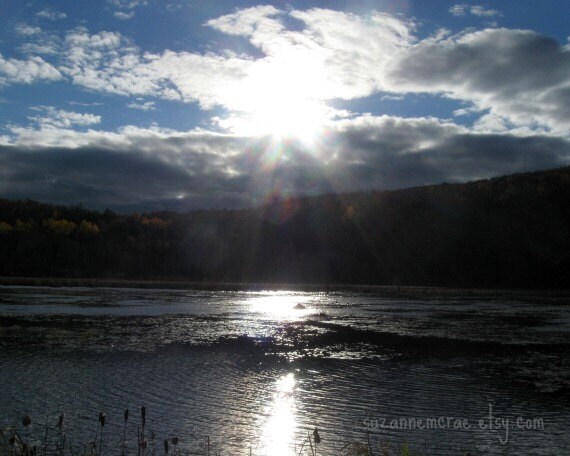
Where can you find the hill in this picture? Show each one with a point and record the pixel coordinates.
(512, 231)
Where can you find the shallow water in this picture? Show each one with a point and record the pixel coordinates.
(260, 369)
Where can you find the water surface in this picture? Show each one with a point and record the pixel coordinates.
(260, 370)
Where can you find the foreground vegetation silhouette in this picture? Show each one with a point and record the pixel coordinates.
(53, 441)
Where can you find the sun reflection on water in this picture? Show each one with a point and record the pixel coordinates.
(278, 432)
(282, 306)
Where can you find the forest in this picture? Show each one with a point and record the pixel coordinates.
(510, 231)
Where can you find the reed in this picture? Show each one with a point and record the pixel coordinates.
(125, 418)
(102, 417)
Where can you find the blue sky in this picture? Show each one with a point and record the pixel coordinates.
(149, 105)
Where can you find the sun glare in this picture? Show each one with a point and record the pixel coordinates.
(281, 306)
(281, 97)
(284, 117)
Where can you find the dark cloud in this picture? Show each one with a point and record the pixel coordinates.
(414, 152)
(96, 177)
(519, 74)
(208, 170)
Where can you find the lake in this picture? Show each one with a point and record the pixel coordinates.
(258, 371)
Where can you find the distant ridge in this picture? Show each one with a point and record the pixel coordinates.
(510, 231)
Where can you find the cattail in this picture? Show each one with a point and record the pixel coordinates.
(143, 416)
(26, 421)
(174, 441)
(152, 435)
(60, 420)
(165, 446)
(316, 436)
(102, 417)
(126, 417)
(144, 443)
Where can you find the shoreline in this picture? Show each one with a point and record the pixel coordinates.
(560, 296)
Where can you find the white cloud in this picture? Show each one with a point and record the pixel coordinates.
(392, 97)
(329, 55)
(480, 11)
(78, 103)
(300, 70)
(128, 4)
(52, 15)
(146, 106)
(465, 111)
(514, 74)
(258, 21)
(124, 16)
(38, 42)
(46, 135)
(459, 10)
(58, 118)
(44, 47)
(461, 112)
(492, 123)
(27, 30)
(208, 79)
(125, 8)
(108, 62)
(477, 10)
(26, 71)
(327, 59)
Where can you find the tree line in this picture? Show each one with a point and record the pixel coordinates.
(512, 231)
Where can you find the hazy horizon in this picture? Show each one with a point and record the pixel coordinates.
(128, 209)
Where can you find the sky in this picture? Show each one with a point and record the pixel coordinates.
(180, 104)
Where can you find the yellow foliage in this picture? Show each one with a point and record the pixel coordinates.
(88, 229)
(5, 227)
(59, 227)
(155, 223)
(22, 226)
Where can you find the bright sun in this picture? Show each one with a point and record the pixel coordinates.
(281, 97)
(283, 116)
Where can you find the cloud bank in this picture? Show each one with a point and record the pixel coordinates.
(159, 169)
